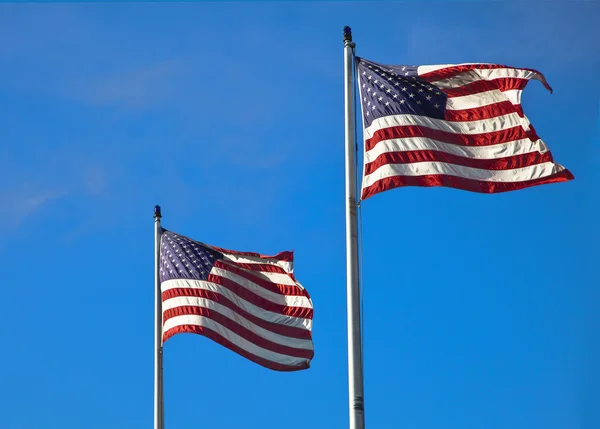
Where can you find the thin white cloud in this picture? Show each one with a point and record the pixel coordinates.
(140, 88)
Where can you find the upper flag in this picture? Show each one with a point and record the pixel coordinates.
(247, 302)
(459, 126)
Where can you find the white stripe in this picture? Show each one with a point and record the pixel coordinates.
(426, 168)
(500, 150)
(269, 316)
(497, 123)
(287, 266)
(230, 314)
(278, 278)
(475, 75)
(291, 300)
(483, 99)
(421, 70)
(235, 339)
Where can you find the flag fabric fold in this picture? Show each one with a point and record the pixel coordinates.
(459, 126)
(247, 302)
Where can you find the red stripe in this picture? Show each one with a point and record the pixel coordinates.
(449, 72)
(244, 332)
(408, 157)
(287, 256)
(257, 267)
(206, 332)
(500, 84)
(288, 331)
(484, 112)
(261, 281)
(460, 183)
(484, 139)
(251, 297)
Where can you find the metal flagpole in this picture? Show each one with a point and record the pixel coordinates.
(159, 421)
(355, 370)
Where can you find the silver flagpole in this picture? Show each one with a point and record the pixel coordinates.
(355, 369)
(159, 421)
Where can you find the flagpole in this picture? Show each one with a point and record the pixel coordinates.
(159, 422)
(355, 369)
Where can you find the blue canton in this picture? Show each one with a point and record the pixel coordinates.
(397, 90)
(183, 258)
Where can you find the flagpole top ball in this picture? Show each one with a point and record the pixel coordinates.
(347, 34)
(157, 213)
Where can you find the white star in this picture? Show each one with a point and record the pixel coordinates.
(411, 95)
(428, 98)
(370, 77)
(403, 89)
(420, 89)
(387, 103)
(403, 68)
(419, 102)
(382, 86)
(373, 108)
(375, 81)
(388, 90)
(380, 98)
(406, 74)
(395, 95)
(436, 105)
(402, 101)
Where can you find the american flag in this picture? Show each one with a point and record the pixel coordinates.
(460, 126)
(247, 302)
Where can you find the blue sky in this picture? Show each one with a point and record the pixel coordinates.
(480, 311)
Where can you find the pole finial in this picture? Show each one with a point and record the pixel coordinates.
(347, 34)
(157, 213)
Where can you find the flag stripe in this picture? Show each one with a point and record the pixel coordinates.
(501, 150)
(481, 86)
(296, 317)
(484, 112)
(441, 168)
(266, 281)
(483, 99)
(422, 156)
(483, 139)
(285, 266)
(238, 344)
(281, 256)
(172, 298)
(482, 71)
(253, 333)
(462, 183)
(499, 123)
(249, 287)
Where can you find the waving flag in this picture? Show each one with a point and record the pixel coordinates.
(459, 126)
(247, 302)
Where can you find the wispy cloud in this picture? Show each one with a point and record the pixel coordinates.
(135, 89)
(19, 203)
(25, 197)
